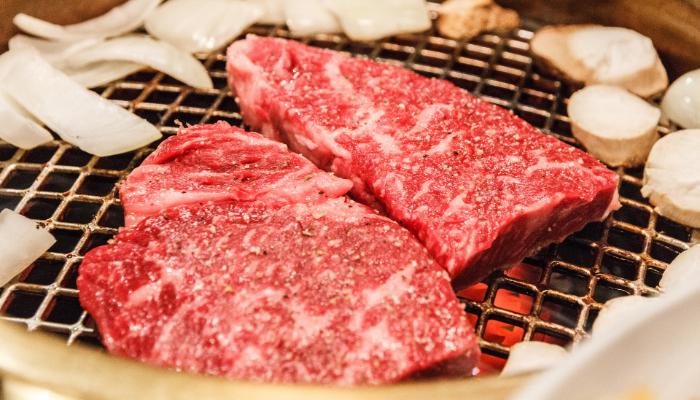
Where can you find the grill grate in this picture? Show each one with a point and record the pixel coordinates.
(554, 296)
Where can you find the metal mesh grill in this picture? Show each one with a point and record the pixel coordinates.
(554, 296)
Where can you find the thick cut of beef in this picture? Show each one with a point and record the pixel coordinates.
(479, 186)
(325, 292)
(247, 262)
(219, 162)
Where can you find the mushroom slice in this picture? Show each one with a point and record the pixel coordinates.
(532, 356)
(614, 125)
(464, 19)
(593, 54)
(672, 177)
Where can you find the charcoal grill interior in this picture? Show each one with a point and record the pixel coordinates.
(561, 289)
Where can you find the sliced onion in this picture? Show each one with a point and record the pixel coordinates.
(202, 25)
(374, 19)
(532, 356)
(681, 102)
(18, 127)
(21, 242)
(119, 20)
(78, 115)
(102, 73)
(307, 17)
(55, 53)
(274, 11)
(156, 54)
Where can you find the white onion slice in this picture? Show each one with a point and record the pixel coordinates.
(682, 100)
(532, 356)
(78, 115)
(102, 73)
(54, 52)
(308, 17)
(118, 20)
(21, 242)
(57, 54)
(142, 49)
(374, 19)
(201, 25)
(273, 11)
(18, 127)
(684, 270)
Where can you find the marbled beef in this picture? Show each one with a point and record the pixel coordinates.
(479, 186)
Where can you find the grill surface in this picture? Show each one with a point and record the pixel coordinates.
(560, 291)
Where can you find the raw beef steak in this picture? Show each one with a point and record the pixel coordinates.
(218, 162)
(480, 187)
(329, 292)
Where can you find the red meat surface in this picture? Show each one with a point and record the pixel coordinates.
(326, 292)
(479, 186)
(288, 282)
(222, 162)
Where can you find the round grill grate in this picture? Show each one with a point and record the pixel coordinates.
(553, 296)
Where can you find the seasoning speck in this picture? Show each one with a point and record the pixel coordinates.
(256, 250)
